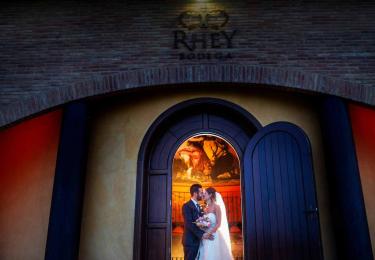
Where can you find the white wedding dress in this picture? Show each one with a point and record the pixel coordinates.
(220, 247)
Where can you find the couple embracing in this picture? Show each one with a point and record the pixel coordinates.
(206, 232)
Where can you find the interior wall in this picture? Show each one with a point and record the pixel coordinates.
(28, 154)
(363, 126)
(118, 129)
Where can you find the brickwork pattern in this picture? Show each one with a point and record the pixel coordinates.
(55, 52)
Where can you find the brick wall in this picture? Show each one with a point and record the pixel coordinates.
(53, 52)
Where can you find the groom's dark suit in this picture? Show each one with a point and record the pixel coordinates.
(192, 234)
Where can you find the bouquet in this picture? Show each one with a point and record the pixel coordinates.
(203, 222)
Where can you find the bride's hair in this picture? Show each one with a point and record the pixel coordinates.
(211, 191)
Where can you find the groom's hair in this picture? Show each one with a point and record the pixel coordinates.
(195, 188)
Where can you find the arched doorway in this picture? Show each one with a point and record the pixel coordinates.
(153, 221)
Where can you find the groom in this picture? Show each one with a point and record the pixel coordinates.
(192, 234)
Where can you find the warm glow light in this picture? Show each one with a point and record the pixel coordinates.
(202, 5)
(211, 161)
(28, 153)
(363, 125)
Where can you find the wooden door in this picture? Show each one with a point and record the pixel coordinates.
(281, 208)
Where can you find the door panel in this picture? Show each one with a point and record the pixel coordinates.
(156, 244)
(280, 195)
(225, 125)
(158, 209)
(188, 125)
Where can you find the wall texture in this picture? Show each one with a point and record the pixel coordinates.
(363, 125)
(118, 128)
(28, 154)
(54, 52)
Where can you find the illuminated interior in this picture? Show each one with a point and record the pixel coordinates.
(211, 161)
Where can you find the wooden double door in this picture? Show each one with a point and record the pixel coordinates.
(280, 214)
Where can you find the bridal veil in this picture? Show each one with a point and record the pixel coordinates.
(224, 227)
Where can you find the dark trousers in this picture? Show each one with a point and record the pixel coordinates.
(190, 252)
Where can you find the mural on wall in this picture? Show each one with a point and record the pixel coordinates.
(206, 159)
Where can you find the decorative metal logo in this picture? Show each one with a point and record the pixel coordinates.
(214, 19)
(202, 35)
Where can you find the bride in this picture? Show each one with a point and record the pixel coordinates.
(220, 246)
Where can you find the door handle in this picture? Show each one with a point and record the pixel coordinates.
(311, 210)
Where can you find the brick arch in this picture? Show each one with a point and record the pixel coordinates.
(182, 74)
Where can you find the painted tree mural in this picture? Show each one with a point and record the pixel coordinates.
(206, 158)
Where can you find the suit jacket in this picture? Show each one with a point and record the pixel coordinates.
(192, 234)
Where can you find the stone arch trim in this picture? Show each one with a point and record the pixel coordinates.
(167, 132)
(185, 74)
